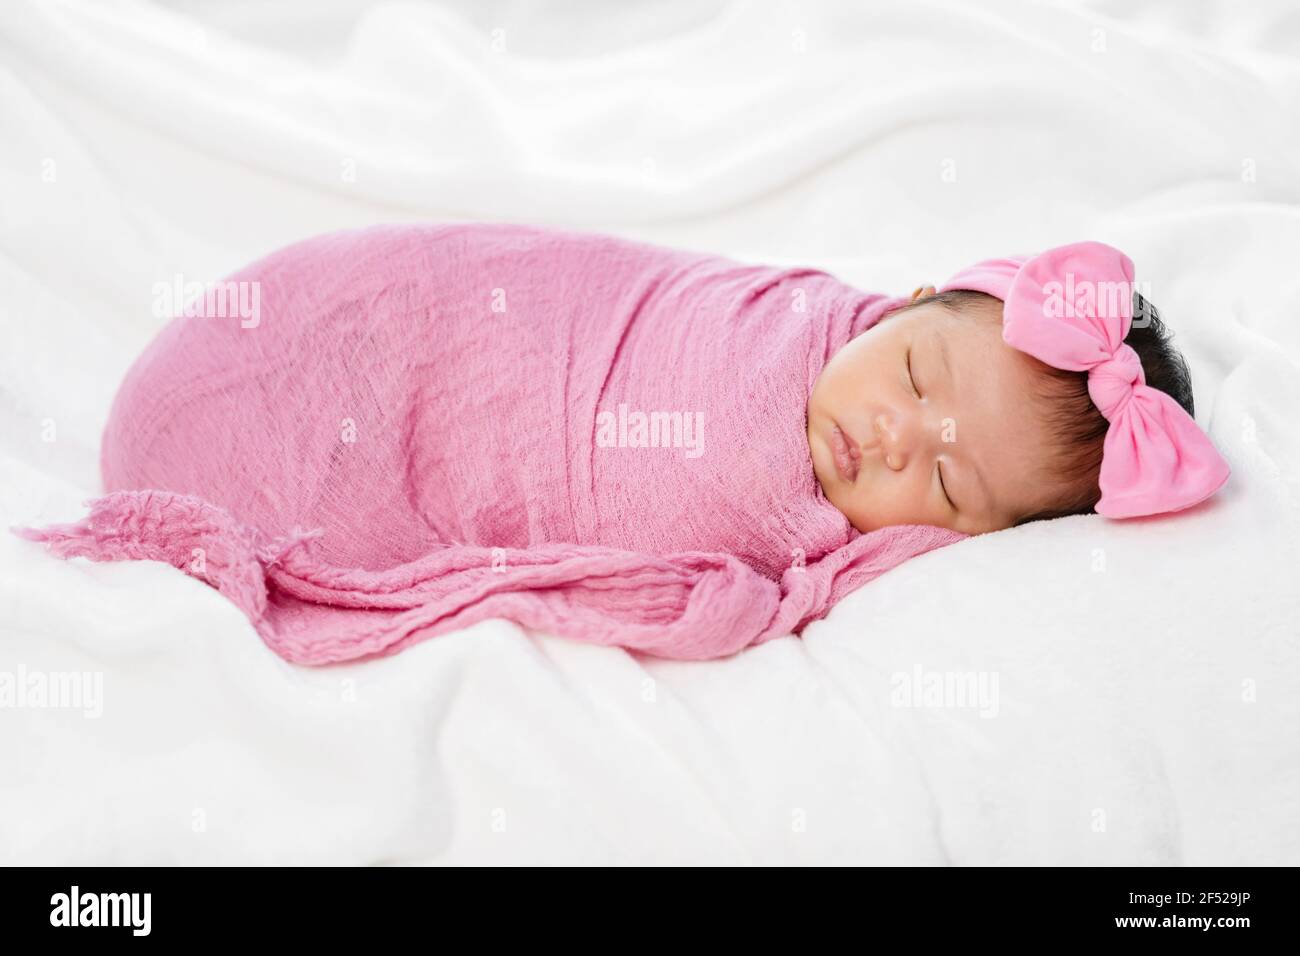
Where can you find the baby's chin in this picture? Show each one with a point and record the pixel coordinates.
(861, 528)
(863, 525)
(838, 495)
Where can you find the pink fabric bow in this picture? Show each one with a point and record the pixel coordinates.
(1071, 307)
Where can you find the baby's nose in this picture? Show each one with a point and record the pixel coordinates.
(891, 449)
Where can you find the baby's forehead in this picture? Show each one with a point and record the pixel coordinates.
(997, 390)
(972, 333)
(968, 340)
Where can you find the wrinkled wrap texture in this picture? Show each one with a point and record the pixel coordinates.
(421, 429)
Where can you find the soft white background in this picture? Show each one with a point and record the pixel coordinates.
(1149, 690)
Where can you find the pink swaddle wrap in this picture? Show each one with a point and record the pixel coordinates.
(427, 426)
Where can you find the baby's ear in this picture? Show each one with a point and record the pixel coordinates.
(924, 291)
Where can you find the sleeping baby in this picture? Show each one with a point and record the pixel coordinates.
(992, 403)
(650, 448)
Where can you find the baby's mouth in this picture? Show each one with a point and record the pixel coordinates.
(848, 457)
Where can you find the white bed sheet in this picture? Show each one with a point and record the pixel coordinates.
(1148, 686)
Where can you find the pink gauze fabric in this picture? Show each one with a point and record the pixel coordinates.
(427, 426)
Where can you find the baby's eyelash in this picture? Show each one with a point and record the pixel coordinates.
(939, 468)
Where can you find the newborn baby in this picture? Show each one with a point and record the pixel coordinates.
(930, 417)
(667, 451)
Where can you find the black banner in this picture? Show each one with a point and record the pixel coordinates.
(1151, 906)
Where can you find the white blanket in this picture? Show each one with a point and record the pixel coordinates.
(1141, 679)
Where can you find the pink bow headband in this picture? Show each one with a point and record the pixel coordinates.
(1071, 307)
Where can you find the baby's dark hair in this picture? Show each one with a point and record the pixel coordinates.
(1077, 427)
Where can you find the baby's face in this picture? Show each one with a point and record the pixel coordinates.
(971, 429)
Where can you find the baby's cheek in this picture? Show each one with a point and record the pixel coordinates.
(881, 503)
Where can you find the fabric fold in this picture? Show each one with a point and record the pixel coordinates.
(689, 606)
